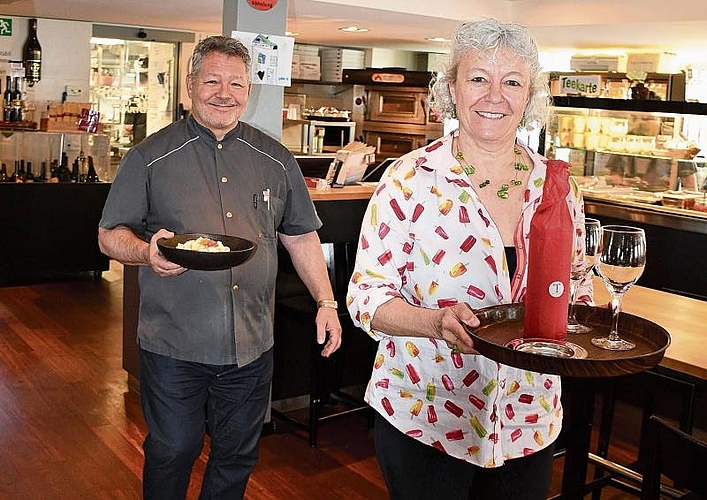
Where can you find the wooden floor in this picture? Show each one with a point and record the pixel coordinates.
(71, 429)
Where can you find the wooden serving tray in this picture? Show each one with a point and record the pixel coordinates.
(503, 324)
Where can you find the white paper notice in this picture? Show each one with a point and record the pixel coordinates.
(271, 57)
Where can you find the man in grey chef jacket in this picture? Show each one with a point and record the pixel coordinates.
(206, 337)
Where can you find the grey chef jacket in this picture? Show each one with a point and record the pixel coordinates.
(182, 179)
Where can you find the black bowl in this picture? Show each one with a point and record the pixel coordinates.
(241, 251)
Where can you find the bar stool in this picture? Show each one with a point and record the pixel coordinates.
(654, 382)
(295, 316)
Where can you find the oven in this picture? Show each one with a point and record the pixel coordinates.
(390, 109)
(404, 105)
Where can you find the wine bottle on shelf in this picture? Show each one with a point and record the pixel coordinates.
(16, 113)
(63, 172)
(32, 55)
(54, 171)
(3, 174)
(75, 171)
(18, 176)
(42, 175)
(92, 175)
(7, 100)
(29, 176)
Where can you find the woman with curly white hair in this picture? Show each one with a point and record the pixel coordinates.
(445, 234)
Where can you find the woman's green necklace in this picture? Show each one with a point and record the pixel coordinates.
(502, 192)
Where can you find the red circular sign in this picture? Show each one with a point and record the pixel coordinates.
(262, 4)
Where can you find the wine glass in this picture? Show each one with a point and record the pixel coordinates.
(622, 258)
(582, 264)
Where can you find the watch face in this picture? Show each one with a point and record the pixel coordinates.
(262, 4)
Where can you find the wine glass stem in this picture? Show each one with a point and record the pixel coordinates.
(615, 306)
(573, 298)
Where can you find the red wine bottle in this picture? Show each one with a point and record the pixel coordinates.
(7, 100)
(92, 175)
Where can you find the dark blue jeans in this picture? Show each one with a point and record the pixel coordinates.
(178, 398)
(416, 471)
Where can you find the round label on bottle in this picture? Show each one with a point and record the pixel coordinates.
(556, 289)
(262, 4)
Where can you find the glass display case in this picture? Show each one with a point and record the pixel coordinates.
(642, 163)
(133, 86)
(633, 150)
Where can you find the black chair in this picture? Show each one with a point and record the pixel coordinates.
(676, 455)
(294, 320)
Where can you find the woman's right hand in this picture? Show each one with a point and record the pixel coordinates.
(449, 326)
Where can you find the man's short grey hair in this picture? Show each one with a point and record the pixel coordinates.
(219, 45)
(490, 35)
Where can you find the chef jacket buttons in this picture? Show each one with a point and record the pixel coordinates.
(235, 288)
(229, 214)
(224, 179)
(219, 146)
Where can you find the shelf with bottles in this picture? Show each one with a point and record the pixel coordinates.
(39, 152)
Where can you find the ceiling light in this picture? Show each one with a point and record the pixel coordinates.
(291, 33)
(437, 39)
(354, 29)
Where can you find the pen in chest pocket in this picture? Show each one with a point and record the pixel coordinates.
(266, 197)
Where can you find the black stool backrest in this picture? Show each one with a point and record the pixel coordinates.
(675, 454)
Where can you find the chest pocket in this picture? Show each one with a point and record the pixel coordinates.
(269, 215)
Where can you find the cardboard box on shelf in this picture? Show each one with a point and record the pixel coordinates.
(306, 50)
(309, 68)
(295, 66)
(661, 62)
(334, 60)
(598, 62)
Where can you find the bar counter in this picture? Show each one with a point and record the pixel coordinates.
(684, 318)
(674, 238)
(50, 229)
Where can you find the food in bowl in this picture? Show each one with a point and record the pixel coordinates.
(203, 244)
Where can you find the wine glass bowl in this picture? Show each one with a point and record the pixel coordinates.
(622, 258)
(582, 264)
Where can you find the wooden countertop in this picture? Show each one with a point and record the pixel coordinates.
(360, 191)
(683, 317)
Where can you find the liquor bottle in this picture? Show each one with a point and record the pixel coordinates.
(3, 174)
(42, 175)
(82, 166)
(75, 171)
(63, 173)
(7, 100)
(18, 176)
(16, 112)
(29, 176)
(32, 55)
(92, 175)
